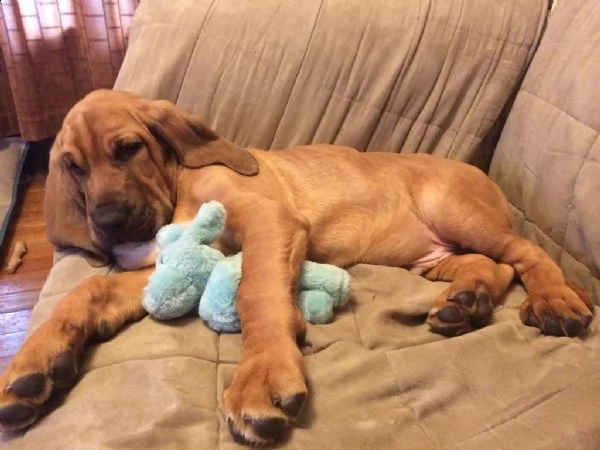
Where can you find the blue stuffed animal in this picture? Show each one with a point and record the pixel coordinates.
(191, 274)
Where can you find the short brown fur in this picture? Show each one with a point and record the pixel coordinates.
(441, 218)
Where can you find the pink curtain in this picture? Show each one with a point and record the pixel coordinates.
(52, 53)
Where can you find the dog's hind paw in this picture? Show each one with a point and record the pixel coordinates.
(460, 313)
(559, 310)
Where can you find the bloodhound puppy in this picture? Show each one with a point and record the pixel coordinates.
(122, 167)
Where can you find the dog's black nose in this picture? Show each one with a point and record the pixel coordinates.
(110, 217)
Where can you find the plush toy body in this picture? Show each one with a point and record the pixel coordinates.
(190, 274)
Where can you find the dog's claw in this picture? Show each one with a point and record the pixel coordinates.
(293, 405)
(530, 319)
(237, 435)
(571, 327)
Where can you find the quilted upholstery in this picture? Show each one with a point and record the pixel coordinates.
(386, 75)
(548, 157)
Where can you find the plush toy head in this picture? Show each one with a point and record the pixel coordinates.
(184, 263)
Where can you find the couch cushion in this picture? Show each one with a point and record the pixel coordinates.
(388, 75)
(379, 379)
(548, 157)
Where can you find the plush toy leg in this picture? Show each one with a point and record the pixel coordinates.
(334, 281)
(163, 297)
(217, 305)
(316, 306)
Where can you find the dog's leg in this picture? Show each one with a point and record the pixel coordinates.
(555, 305)
(268, 389)
(47, 362)
(477, 286)
(482, 223)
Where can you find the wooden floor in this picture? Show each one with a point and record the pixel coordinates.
(19, 291)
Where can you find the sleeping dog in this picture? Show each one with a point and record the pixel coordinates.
(122, 167)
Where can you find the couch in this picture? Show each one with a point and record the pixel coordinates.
(502, 84)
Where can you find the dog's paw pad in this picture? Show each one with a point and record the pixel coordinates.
(257, 431)
(451, 314)
(461, 312)
(268, 428)
(484, 310)
(64, 371)
(466, 299)
(28, 386)
(17, 416)
(451, 320)
(477, 305)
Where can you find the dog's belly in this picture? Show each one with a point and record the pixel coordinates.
(430, 260)
(411, 245)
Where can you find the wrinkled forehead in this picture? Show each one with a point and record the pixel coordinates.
(94, 123)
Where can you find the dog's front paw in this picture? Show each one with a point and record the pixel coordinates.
(564, 310)
(45, 365)
(267, 393)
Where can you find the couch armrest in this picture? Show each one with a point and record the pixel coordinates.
(547, 160)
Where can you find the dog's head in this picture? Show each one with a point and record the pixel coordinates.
(113, 169)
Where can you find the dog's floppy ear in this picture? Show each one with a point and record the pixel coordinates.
(195, 144)
(65, 214)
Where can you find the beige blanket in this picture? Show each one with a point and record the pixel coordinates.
(389, 74)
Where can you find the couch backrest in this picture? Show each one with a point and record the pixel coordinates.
(548, 157)
(395, 75)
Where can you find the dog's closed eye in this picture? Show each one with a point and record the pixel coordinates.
(73, 166)
(125, 150)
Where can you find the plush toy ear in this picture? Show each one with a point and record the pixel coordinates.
(65, 212)
(194, 143)
(209, 223)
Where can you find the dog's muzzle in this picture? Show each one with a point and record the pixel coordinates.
(120, 222)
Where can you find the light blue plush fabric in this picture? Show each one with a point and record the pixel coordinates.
(190, 274)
